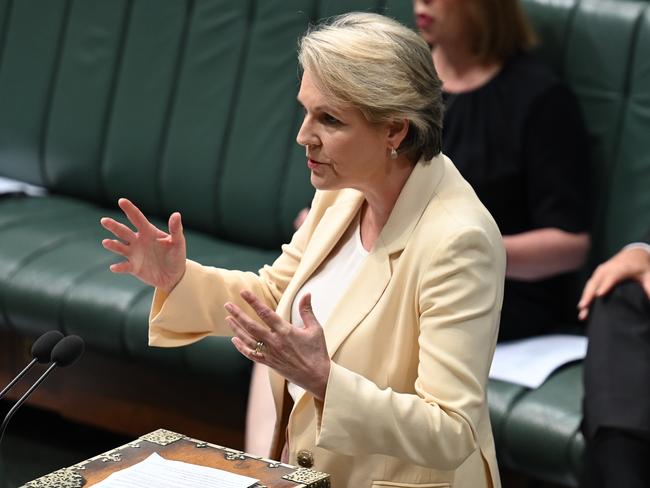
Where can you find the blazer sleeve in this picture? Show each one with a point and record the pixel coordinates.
(460, 296)
(194, 308)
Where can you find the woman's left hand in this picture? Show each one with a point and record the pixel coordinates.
(297, 353)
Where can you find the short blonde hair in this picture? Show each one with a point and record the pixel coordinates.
(382, 68)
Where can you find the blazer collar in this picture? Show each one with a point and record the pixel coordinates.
(411, 203)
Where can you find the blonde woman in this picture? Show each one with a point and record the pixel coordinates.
(379, 320)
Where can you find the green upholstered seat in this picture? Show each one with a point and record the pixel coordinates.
(190, 105)
(542, 425)
(602, 49)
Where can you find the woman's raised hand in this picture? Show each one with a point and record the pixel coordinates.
(153, 256)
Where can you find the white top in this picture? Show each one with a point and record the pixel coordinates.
(330, 281)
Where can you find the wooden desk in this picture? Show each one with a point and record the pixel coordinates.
(178, 447)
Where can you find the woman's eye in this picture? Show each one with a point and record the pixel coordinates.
(329, 119)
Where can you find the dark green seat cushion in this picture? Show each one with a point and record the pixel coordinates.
(501, 398)
(541, 429)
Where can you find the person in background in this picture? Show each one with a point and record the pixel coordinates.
(516, 134)
(616, 405)
(380, 317)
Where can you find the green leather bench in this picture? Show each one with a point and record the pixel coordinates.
(190, 105)
(602, 49)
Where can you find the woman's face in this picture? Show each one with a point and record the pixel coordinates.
(440, 21)
(344, 149)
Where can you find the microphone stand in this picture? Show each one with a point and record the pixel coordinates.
(4, 475)
(4, 482)
(65, 352)
(20, 375)
(7, 418)
(22, 400)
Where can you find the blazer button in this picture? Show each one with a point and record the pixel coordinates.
(305, 459)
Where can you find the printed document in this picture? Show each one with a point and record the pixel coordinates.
(9, 186)
(163, 473)
(529, 362)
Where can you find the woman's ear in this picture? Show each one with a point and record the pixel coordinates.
(397, 130)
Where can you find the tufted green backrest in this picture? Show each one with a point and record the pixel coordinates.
(178, 104)
(190, 104)
(602, 49)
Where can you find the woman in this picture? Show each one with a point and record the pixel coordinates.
(398, 262)
(517, 136)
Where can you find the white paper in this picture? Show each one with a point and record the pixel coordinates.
(163, 473)
(530, 362)
(8, 185)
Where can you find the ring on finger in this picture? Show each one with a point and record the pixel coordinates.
(259, 347)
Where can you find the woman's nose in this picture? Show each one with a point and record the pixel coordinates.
(305, 136)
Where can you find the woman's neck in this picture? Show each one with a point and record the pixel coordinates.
(460, 70)
(381, 199)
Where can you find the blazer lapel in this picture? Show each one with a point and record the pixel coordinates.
(332, 226)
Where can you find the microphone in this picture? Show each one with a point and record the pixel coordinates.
(41, 350)
(64, 353)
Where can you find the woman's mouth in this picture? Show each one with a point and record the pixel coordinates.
(423, 21)
(313, 164)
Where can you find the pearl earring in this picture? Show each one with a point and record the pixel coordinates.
(393, 153)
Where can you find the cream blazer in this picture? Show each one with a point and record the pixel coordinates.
(411, 341)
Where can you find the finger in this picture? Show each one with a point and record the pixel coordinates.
(247, 351)
(123, 267)
(175, 226)
(120, 230)
(583, 313)
(268, 316)
(133, 213)
(307, 312)
(606, 284)
(241, 332)
(589, 291)
(117, 247)
(249, 325)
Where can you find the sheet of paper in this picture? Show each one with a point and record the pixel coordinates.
(163, 473)
(530, 361)
(8, 185)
